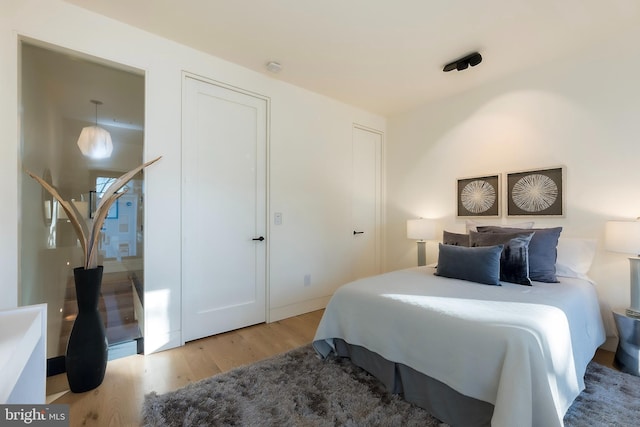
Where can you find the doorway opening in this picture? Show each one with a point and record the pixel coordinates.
(57, 94)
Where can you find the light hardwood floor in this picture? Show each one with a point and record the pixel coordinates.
(118, 401)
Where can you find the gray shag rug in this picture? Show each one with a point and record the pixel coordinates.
(298, 389)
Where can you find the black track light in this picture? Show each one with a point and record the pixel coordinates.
(472, 59)
(475, 59)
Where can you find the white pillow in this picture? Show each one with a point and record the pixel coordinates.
(473, 225)
(575, 256)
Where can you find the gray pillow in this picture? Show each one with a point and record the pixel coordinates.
(514, 260)
(481, 265)
(455, 239)
(543, 250)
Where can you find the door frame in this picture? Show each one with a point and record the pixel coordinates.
(189, 75)
(381, 214)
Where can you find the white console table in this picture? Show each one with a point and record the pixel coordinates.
(23, 355)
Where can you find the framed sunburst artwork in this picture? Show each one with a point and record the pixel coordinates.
(479, 196)
(536, 192)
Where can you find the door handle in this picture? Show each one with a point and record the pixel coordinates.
(259, 238)
(357, 232)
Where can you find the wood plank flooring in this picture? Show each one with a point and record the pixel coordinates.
(118, 401)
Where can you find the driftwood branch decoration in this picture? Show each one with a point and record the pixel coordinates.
(89, 234)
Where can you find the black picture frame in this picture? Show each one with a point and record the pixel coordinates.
(479, 197)
(536, 192)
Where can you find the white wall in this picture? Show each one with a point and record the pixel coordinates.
(310, 149)
(582, 112)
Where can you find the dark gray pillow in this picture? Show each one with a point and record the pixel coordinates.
(543, 250)
(455, 239)
(514, 260)
(481, 265)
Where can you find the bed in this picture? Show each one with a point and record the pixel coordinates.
(470, 353)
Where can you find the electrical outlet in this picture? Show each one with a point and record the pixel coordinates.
(307, 280)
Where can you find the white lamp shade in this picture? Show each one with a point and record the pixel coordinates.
(420, 229)
(623, 236)
(95, 142)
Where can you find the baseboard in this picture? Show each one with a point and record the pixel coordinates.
(279, 313)
(56, 365)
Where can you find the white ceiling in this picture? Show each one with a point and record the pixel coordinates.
(385, 56)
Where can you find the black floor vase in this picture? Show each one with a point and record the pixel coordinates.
(86, 357)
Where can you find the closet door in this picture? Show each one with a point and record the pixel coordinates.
(366, 202)
(223, 209)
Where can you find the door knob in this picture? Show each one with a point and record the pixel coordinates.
(357, 232)
(259, 238)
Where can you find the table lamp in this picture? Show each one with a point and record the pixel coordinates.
(624, 236)
(421, 229)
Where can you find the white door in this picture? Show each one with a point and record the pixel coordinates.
(366, 202)
(223, 209)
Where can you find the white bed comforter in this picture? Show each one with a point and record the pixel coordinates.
(523, 349)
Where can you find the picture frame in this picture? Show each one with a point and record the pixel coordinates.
(536, 192)
(479, 196)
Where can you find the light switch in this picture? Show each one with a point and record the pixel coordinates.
(277, 218)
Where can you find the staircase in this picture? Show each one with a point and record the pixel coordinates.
(116, 307)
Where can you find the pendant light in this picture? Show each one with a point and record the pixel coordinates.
(95, 142)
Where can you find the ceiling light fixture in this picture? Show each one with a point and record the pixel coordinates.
(274, 67)
(95, 142)
(463, 63)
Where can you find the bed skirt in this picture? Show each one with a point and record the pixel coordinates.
(440, 400)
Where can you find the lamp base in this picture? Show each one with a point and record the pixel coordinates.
(632, 313)
(634, 285)
(422, 253)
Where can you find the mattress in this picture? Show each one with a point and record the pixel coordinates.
(521, 349)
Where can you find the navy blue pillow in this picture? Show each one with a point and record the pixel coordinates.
(543, 250)
(514, 260)
(481, 265)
